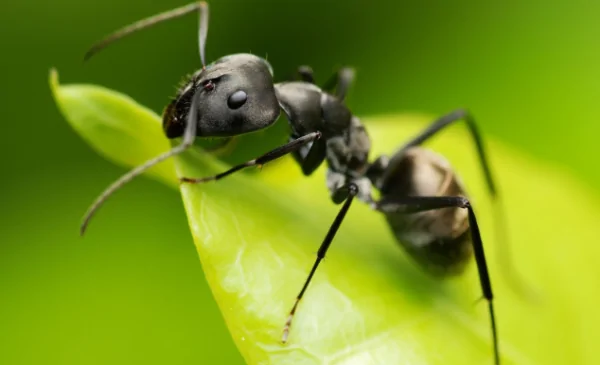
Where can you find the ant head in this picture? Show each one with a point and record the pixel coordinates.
(235, 95)
(232, 96)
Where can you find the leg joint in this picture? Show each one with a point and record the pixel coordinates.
(461, 113)
(353, 189)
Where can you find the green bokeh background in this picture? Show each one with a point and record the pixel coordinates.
(133, 290)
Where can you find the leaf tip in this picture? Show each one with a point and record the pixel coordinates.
(54, 82)
(53, 78)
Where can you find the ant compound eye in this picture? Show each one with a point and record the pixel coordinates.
(208, 85)
(237, 99)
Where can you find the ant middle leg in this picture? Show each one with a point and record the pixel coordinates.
(344, 194)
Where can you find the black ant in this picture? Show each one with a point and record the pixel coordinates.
(421, 197)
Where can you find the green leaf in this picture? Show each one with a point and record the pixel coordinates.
(112, 124)
(257, 234)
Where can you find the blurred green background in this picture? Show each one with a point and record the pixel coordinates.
(133, 290)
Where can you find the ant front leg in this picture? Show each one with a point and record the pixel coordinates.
(414, 204)
(310, 156)
(344, 194)
(261, 160)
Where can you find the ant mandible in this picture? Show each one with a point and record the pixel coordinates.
(421, 197)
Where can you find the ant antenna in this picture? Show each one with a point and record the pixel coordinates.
(203, 10)
(190, 128)
(201, 6)
(188, 139)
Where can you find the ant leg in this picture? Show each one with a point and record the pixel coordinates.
(340, 81)
(310, 156)
(438, 125)
(306, 74)
(351, 191)
(407, 205)
(261, 160)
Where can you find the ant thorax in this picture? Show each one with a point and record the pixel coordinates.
(347, 160)
(344, 144)
(348, 153)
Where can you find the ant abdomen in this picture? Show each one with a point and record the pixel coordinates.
(438, 240)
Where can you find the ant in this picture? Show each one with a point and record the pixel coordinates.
(422, 198)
